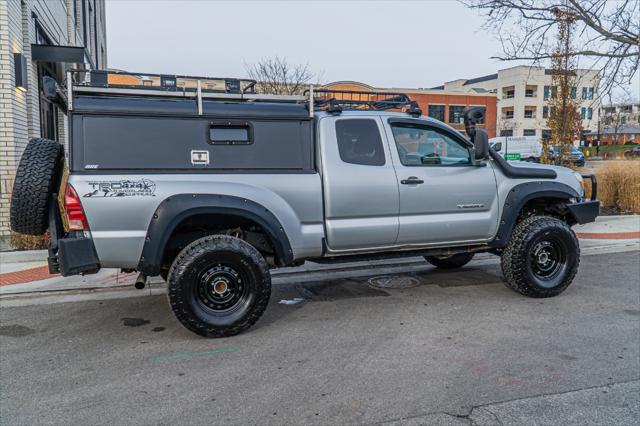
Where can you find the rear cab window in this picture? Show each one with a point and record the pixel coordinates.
(359, 142)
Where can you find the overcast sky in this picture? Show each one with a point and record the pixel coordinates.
(381, 43)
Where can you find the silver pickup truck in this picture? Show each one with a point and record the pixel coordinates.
(211, 188)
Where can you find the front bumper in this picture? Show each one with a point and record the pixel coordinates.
(587, 210)
(584, 211)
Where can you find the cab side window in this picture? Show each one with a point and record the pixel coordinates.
(423, 146)
(359, 142)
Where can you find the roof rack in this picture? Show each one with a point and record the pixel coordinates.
(121, 83)
(164, 82)
(336, 101)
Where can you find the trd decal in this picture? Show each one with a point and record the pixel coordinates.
(122, 188)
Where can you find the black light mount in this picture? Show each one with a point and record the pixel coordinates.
(20, 68)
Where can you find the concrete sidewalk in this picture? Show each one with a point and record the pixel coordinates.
(26, 272)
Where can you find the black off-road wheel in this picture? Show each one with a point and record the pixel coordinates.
(450, 262)
(542, 258)
(219, 286)
(37, 177)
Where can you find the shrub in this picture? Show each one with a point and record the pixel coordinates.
(618, 186)
(29, 242)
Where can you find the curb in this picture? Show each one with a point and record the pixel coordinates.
(608, 235)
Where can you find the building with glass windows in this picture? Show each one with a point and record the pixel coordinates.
(40, 38)
(522, 93)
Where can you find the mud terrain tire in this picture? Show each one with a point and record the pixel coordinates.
(450, 262)
(219, 286)
(542, 257)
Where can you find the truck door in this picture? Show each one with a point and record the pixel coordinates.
(444, 198)
(361, 200)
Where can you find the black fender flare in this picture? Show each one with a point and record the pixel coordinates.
(518, 196)
(173, 210)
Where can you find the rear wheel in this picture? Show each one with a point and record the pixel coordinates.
(219, 286)
(542, 257)
(450, 262)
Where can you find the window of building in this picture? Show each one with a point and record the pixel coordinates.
(84, 23)
(456, 113)
(574, 92)
(424, 146)
(554, 92)
(584, 93)
(546, 134)
(546, 92)
(506, 133)
(359, 142)
(545, 112)
(509, 92)
(531, 91)
(507, 113)
(583, 112)
(437, 112)
(589, 113)
(529, 112)
(590, 93)
(529, 132)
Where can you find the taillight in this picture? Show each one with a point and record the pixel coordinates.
(75, 215)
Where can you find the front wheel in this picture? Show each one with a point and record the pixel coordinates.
(450, 262)
(541, 258)
(219, 286)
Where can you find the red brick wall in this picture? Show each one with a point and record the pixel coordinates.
(489, 102)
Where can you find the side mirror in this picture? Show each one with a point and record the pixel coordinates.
(481, 145)
(497, 146)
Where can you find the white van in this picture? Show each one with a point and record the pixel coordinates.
(524, 148)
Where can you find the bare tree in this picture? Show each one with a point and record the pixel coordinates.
(277, 77)
(608, 32)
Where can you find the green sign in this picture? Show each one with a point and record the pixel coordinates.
(512, 156)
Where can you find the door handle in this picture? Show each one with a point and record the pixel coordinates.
(411, 181)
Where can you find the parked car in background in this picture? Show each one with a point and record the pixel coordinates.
(525, 148)
(575, 156)
(633, 152)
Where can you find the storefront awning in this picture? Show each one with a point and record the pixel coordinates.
(50, 53)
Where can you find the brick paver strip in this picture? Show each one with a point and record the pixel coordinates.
(26, 276)
(608, 235)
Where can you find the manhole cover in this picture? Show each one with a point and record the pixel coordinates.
(394, 282)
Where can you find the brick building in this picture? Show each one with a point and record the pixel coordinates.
(40, 38)
(439, 104)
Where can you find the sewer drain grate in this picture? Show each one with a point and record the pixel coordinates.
(394, 281)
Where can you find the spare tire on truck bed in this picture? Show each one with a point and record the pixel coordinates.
(38, 175)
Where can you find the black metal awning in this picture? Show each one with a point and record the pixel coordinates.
(51, 53)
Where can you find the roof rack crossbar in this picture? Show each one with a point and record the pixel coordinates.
(335, 101)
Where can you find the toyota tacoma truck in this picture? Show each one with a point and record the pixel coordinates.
(211, 185)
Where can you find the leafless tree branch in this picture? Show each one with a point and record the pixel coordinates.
(277, 77)
(608, 32)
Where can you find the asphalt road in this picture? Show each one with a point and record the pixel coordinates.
(460, 348)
